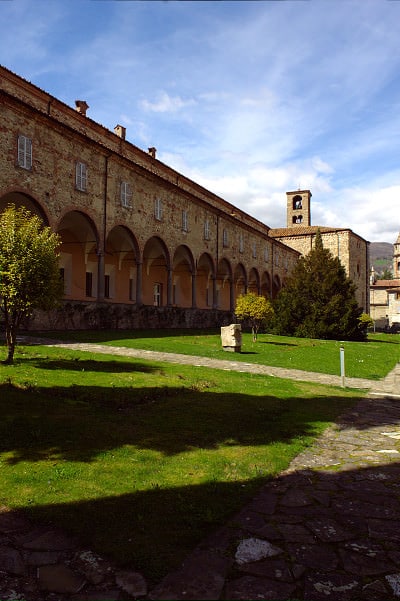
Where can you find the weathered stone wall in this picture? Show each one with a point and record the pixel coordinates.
(86, 316)
(61, 136)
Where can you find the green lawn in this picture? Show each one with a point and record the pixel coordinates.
(142, 459)
(372, 359)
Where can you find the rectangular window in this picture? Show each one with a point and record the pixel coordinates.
(81, 176)
(89, 283)
(241, 243)
(158, 209)
(24, 152)
(184, 221)
(254, 249)
(106, 286)
(126, 195)
(266, 254)
(206, 230)
(157, 295)
(225, 238)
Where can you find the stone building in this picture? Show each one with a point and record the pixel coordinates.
(141, 244)
(350, 248)
(385, 295)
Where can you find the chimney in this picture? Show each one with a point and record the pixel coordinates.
(152, 152)
(120, 131)
(81, 106)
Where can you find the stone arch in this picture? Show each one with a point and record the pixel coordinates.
(276, 285)
(254, 281)
(183, 277)
(239, 280)
(224, 286)
(121, 260)
(266, 284)
(79, 262)
(156, 273)
(205, 276)
(22, 199)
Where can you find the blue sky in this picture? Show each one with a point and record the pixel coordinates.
(248, 98)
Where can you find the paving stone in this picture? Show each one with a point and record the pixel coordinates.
(42, 558)
(133, 583)
(363, 565)
(296, 533)
(338, 587)
(384, 529)
(11, 561)
(329, 530)
(59, 579)
(254, 549)
(318, 557)
(50, 541)
(249, 587)
(275, 569)
(375, 591)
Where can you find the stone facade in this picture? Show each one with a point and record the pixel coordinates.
(385, 295)
(350, 248)
(133, 231)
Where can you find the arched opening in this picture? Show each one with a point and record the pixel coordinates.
(224, 292)
(182, 272)
(254, 281)
(156, 283)
(204, 282)
(78, 256)
(120, 266)
(239, 280)
(276, 286)
(266, 285)
(20, 199)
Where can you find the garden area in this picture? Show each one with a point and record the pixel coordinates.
(142, 459)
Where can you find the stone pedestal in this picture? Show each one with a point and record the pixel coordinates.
(231, 338)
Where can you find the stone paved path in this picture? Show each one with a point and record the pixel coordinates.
(326, 528)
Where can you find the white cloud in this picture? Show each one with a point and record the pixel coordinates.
(166, 103)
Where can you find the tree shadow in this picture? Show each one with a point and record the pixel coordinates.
(78, 422)
(91, 365)
(337, 528)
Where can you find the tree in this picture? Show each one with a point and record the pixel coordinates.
(318, 300)
(257, 309)
(385, 275)
(29, 271)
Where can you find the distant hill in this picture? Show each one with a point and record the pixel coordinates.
(381, 256)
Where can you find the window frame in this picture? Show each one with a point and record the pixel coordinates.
(81, 176)
(24, 152)
(125, 195)
(158, 209)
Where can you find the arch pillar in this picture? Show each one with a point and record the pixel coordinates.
(100, 276)
(139, 270)
(169, 286)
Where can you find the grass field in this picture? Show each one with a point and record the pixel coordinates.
(372, 359)
(142, 459)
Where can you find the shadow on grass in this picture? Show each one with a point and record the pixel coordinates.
(153, 531)
(91, 365)
(78, 422)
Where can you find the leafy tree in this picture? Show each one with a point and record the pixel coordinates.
(385, 275)
(318, 300)
(29, 271)
(256, 309)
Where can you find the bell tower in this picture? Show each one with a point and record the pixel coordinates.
(396, 259)
(299, 208)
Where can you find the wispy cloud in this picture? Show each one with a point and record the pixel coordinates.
(250, 99)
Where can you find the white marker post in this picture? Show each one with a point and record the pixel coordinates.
(342, 374)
